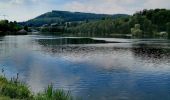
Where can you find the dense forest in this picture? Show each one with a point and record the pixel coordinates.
(146, 23)
(9, 27)
(102, 27)
(66, 16)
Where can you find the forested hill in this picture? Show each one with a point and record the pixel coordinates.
(144, 23)
(66, 16)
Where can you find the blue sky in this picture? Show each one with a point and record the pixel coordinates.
(22, 10)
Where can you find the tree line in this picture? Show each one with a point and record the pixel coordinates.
(146, 23)
(9, 27)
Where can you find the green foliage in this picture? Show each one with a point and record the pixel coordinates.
(26, 28)
(136, 31)
(14, 89)
(4, 98)
(158, 17)
(53, 29)
(7, 27)
(151, 22)
(109, 26)
(51, 94)
(168, 29)
(102, 27)
(66, 16)
(41, 21)
(145, 24)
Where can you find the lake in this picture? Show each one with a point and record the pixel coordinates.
(91, 68)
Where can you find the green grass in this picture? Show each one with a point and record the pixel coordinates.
(15, 90)
(51, 94)
(4, 98)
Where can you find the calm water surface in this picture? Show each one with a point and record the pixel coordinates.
(91, 68)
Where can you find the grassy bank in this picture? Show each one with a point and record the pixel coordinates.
(16, 90)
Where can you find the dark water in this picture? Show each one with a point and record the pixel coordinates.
(91, 68)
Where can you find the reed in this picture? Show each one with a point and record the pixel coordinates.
(15, 90)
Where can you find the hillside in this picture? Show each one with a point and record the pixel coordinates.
(148, 23)
(66, 16)
(103, 27)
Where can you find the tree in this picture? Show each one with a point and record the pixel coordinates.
(136, 31)
(26, 28)
(7, 27)
(168, 29)
(147, 27)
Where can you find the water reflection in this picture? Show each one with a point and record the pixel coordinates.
(132, 70)
(73, 40)
(152, 53)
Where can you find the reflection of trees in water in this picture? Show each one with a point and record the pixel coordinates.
(62, 41)
(57, 46)
(143, 51)
(78, 48)
(71, 45)
(148, 52)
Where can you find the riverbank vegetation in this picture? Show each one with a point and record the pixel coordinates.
(146, 23)
(10, 28)
(14, 89)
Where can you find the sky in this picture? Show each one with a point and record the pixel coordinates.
(23, 10)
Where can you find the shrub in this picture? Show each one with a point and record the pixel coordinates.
(51, 94)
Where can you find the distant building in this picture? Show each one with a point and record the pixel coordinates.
(54, 24)
(45, 25)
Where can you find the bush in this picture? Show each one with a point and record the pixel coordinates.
(51, 94)
(14, 89)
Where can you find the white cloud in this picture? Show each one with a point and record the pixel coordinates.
(25, 9)
(17, 1)
(116, 6)
(101, 6)
(22, 10)
(157, 4)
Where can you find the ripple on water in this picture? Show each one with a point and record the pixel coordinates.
(129, 69)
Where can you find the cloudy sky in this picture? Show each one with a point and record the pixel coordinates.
(22, 10)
